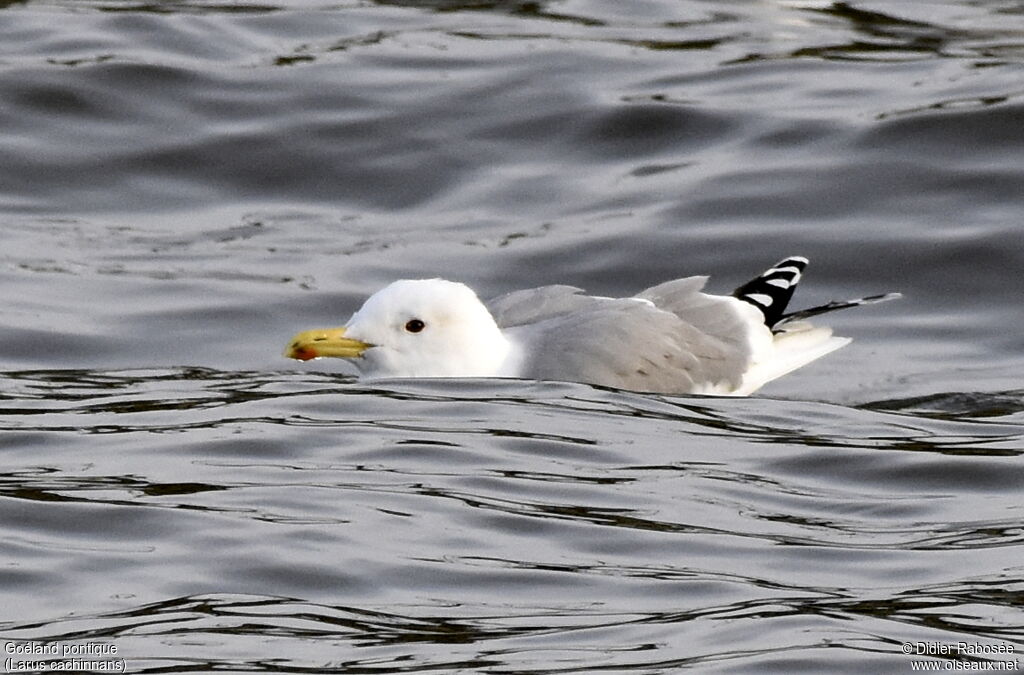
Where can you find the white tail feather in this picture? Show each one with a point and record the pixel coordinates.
(796, 346)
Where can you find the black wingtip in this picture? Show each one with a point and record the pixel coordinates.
(772, 290)
(834, 305)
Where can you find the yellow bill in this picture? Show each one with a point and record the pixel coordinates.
(312, 344)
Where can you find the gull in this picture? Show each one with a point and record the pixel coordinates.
(671, 338)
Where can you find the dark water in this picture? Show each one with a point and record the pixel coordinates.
(183, 185)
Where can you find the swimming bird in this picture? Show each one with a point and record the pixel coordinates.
(671, 338)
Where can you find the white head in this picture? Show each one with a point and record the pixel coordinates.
(415, 328)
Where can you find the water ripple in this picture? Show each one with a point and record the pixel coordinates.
(184, 185)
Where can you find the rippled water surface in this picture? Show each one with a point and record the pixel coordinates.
(183, 185)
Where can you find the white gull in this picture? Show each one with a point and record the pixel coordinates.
(671, 338)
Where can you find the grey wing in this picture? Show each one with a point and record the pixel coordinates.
(713, 315)
(628, 344)
(533, 305)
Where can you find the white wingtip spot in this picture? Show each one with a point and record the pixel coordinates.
(795, 271)
(760, 299)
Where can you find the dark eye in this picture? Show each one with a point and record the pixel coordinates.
(415, 325)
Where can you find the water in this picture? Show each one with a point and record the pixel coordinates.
(185, 185)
